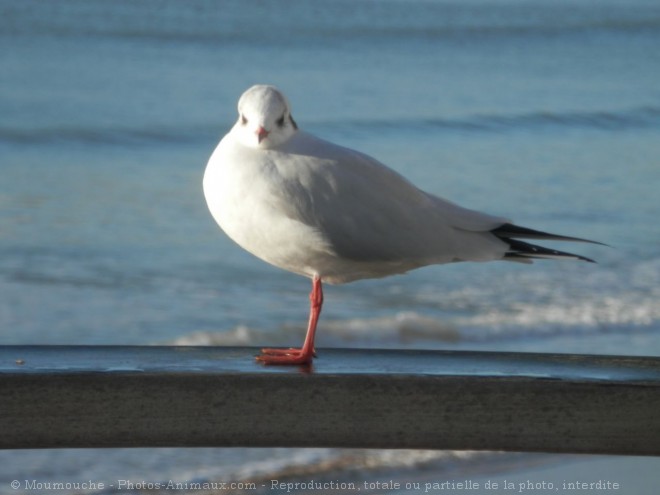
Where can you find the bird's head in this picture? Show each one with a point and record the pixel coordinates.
(264, 118)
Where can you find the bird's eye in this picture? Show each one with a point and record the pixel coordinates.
(243, 119)
(280, 121)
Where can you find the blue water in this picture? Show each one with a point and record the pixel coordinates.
(547, 112)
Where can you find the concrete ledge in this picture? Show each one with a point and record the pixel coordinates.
(83, 396)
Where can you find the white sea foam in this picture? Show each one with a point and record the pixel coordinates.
(410, 328)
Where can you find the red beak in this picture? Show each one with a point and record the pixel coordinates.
(262, 134)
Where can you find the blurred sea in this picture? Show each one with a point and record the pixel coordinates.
(545, 111)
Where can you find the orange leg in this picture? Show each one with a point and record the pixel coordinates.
(305, 354)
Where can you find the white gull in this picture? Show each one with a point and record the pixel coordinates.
(337, 215)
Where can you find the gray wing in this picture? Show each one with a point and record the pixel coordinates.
(368, 212)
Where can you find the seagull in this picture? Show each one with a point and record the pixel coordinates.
(336, 215)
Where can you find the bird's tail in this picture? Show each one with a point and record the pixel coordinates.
(526, 252)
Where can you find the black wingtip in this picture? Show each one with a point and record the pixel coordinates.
(526, 252)
(552, 254)
(511, 231)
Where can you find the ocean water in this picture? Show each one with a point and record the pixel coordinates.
(547, 112)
